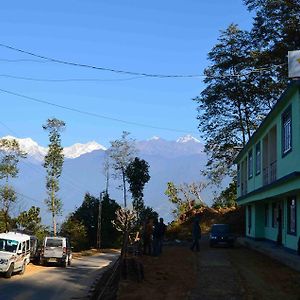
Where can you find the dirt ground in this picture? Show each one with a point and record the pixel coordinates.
(170, 276)
(212, 274)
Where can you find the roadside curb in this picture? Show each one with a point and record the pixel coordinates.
(277, 253)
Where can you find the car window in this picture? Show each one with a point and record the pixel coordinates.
(220, 229)
(54, 243)
(8, 245)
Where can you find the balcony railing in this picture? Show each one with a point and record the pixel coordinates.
(273, 171)
(244, 188)
(265, 176)
(270, 173)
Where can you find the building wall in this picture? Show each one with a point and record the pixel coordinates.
(285, 164)
(260, 230)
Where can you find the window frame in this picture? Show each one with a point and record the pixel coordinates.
(286, 115)
(250, 164)
(289, 200)
(258, 161)
(274, 216)
(267, 215)
(238, 179)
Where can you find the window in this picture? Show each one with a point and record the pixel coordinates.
(257, 159)
(287, 131)
(249, 218)
(250, 164)
(274, 215)
(266, 215)
(238, 175)
(292, 213)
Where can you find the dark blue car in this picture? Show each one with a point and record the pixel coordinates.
(220, 235)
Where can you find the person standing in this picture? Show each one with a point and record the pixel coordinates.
(147, 236)
(162, 230)
(156, 237)
(196, 232)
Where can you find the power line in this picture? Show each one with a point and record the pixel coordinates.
(23, 60)
(97, 67)
(28, 197)
(91, 113)
(68, 79)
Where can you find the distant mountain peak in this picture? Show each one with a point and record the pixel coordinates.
(38, 152)
(187, 138)
(79, 149)
(154, 138)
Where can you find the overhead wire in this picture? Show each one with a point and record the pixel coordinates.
(126, 72)
(92, 114)
(69, 79)
(96, 67)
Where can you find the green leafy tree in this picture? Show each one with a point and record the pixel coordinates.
(88, 213)
(227, 198)
(10, 155)
(110, 237)
(53, 164)
(122, 151)
(137, 174)
(76, 231)
(30, 220)
(185, 196)
(230, 108)
(275, 31)
(148, 213)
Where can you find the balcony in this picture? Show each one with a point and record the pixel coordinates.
(270, 173)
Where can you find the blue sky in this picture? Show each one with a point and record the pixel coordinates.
(167, 37)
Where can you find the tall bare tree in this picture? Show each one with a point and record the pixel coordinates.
(122, 151)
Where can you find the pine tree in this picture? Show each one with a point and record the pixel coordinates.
(53, 164)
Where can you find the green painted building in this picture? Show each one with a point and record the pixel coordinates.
(268, 170)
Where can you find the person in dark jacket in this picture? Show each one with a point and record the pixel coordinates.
(162, 229)
(196, 233)
(147, 237)
(156, 237)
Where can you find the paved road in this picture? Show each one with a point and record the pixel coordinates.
(52, 282)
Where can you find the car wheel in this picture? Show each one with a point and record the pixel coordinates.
(9, 271)
(23, 268)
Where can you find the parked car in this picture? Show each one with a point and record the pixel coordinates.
(57, 250)
(34, 251)
(14, 253)
(220, 235)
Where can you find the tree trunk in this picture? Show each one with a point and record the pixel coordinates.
(124, 188)
(53, 209)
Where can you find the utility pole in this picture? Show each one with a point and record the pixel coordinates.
(99, 222)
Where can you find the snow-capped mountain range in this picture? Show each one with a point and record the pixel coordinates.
(38, 152)
(177, 161)
(155, 146)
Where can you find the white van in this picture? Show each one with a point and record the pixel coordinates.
(56, 249)
(14, 253)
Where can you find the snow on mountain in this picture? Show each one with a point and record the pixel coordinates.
(38, 152)
(187, 138)
(30, 147)
(154, 138)
(78, 149)
(185, 145)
